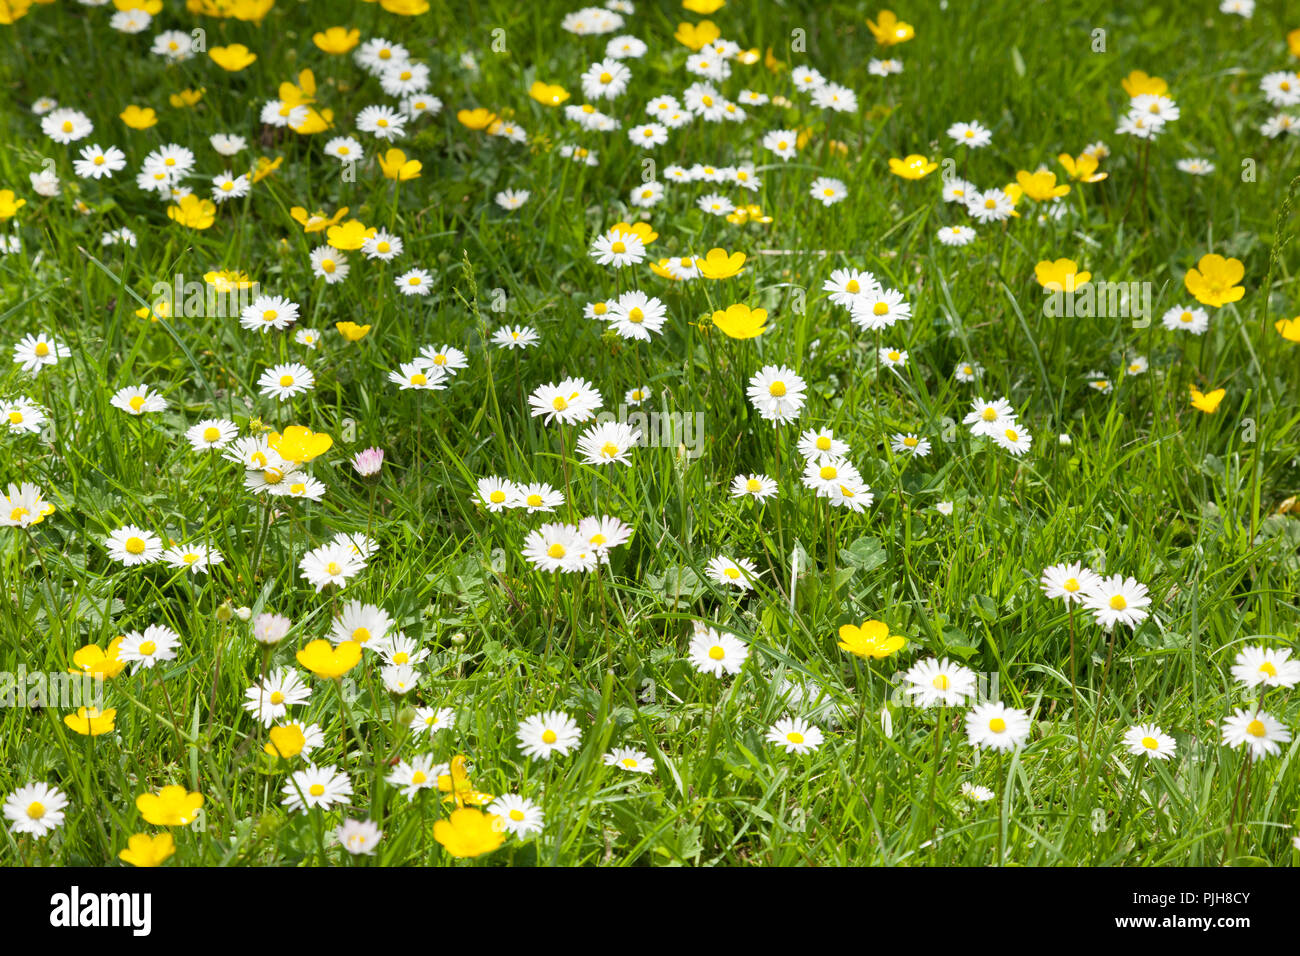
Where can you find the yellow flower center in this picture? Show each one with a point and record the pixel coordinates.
(556, 551)
(549, 736)
(286, 381)
(270, 315)
(135, 545)
(211, 433)
(732, 573)
(794, 737)
(136, 402)
(18, 514)
(228, 185)
(534, 501)
(383, 247)
(609, 450)
(606, 78)
(1256, 728)
(67, 126)
(911, 442)
(147, 648)
(419, 378)
(827, 472)
(619, 248)
(941, 682)
(1071, 585)
(277, 697)
(1150, 743)
(1118, 603)
(636, 315)
(776, 389)
(517, 815)
(35, 810)
(1268, 668)
(15, 418)
(497, 497)
(753, 485)
(880, 308)
(41, 350)
(893, 356)
(316, 789)
(189, 558)
(327, 265)
(716, 652)
(997, 725)
(418, 777)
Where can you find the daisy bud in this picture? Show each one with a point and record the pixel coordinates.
(243, 613)
(368, 462)
(225, 612)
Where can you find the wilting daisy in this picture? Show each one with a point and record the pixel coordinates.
(552, 732)
(939, 682)
(996, 726)
(1148, 740)
(1261, 733)
(795, 735)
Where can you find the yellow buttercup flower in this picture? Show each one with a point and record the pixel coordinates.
(337, 40)
(139, 117)
(91, 721)
(9, 205)
(703, 7)
(741, 322)
(317, 221)
(1083, 169)
(697, 36)
(12, 11)
(1137, 83)
(642, 230)
(329, 662)
(1063, 275)
(477, 118)
(1214, 280)
(889, 30)
(872, 639)
(151, 7)
(1040, 185)
(145, 850)
(228, 280)
(349, 235)
(396, 166)
(193, 212)
(720, 264)
(96, 662)
(913, 166)
(185, 98)
(286, 741)
(1293, 42)
(458, 788)
(1207, 402)
(316, 121)
(548, 94)
(299, 443)
(405, 8)
(265, 167)
(1289, 329)
(469, 833)
(351, 331)
(232, 58)
(172, 806)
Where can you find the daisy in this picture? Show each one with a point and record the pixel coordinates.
(554, 547)
(1260, 732)
(1195, 167)
(777, 393)
(648, 135)
(956, 235)
(331, 563)
(884, 67)
(358, 837)
(879, 309)
(131, 545)
(603, 533)
(572, 401)
(795, 735)
(716, 652)
(35, 809)
(972, 135)
(1117, 599)
(450, 360)
(496, 494)
(381, 122)
(211, 433)
(362, 623)
(404, 79)
(806, 78)
(418, 375)
(433, 719)
(1266, 667)
(1070, 582)
(996, 726)
(625, 758)
(605, 79)
(130, 21)
(851, 493)
(329, 264)
(781, 142)
(988, 418)
(892, 358)
(1275, 126)
(535, 497)
(827, 191)
(607, 443)
(1148, 740)
(518, 815)
(910, 444)
(414, 282)
(939, 682)
(515, 337)
(738, 574)
(138, 400)
(1140, 125)
(23, 506)
(399, 650)
(270, 629)
(1281, 88)
(548, 733)
(345, 149)
(618, 249)
(647, 195)
(1157, 106)
(156, 643)
(511, 199)
(226, 144)
(97, 163)
(377, 54)
(993, 205)
(832, 96)
(1014, 438)
(35, 352)
(421, 104)
(270, 700)
(817, 443)
(634, 315)
(383, 245)
(193, 557)
(826, 473)
(958, 190)
(66, 125)
(268, 312)
(976, 793)
(420, 773)
(1195, 320)
(715, 205)
(758, 487)
(321, 787)
(286, 380)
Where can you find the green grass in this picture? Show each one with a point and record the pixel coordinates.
(1187, 503)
